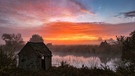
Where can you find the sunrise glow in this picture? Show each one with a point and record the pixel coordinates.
(67, 21)
(79, 37)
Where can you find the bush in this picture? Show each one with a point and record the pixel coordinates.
(5, 60)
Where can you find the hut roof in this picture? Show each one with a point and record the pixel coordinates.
(38, 47)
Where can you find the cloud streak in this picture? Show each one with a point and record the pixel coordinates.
(82, 7)
(129, 14)
(26, 12)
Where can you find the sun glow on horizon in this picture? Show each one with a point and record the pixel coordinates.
(75, 38)
(72, 33)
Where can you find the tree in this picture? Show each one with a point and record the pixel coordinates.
(36, 38)
(104, 44)
(127, 44)
(5, 60)
(12, 39)
(13, 43)
(128, 49)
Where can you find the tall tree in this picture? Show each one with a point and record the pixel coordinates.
(128, 54)
(128, 49)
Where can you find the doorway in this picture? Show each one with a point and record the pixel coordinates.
(43, 63)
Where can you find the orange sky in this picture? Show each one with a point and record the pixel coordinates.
(72, 32)
(75, 33)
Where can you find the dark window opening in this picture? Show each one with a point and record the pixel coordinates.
(43, 63)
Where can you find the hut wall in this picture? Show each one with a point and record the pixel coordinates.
(48, 62)
(29, 62)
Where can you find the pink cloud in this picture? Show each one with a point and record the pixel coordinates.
(41, 11)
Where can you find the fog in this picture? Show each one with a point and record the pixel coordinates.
(86, 56)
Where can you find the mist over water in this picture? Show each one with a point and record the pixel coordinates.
(79, 61)
(90, 56)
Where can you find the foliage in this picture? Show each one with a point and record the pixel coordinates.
(128, 50)
(128, 54)
(126, 70)
(67, 70)
(63, 63)
(128, 47)
(60, 71)
(13, 42)
(36, 38)
(5, 60)
(12, 39)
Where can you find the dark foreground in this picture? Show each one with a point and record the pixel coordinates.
(67, 70)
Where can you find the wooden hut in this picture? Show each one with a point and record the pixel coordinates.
(35, 56)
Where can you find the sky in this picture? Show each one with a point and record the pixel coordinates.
(68, 21)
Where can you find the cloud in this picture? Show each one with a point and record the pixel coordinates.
(82, 7)
(28, 12)
(129, 14)
(126, 14)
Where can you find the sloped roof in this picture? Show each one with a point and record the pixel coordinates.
(39, 48)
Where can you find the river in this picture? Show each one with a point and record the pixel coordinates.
(78, 61)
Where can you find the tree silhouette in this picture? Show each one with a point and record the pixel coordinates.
(13, 42)
(12, 39)
(127, 45)
(36, 38)
(128, 49)
(5, 60)
(104, 44)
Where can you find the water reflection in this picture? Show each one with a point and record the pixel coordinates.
(80, 60)
(76, 61)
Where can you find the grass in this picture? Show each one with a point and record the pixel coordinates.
(68, 70)
(65, 70)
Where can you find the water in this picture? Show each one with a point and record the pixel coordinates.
(78, 61)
